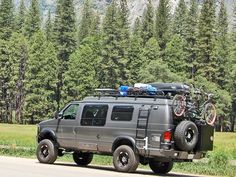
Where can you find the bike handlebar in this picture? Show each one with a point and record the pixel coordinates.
(199, 92)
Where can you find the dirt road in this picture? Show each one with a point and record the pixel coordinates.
(20, 167)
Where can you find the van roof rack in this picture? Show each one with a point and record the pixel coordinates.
(133, 94)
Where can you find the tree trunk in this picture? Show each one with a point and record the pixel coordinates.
(20, 95)
(232, 122)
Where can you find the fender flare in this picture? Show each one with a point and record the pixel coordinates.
(47, 134)
(118, 139)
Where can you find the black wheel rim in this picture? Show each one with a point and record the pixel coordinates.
(123, 159)
(189, 135)
(164, 164)
(44, 150)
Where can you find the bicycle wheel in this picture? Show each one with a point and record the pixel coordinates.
(209, 113)
(178, 105)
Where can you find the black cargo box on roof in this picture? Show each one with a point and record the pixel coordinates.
(173, 88)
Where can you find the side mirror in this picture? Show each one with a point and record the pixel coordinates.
(57, 115)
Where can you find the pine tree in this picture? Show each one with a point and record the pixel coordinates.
(180, 19)
(176, 55)
(20, 18)
(5, 78)
(232, 68)
(90, 22)
(154, 69)
(162, 23)
(123, 15)
(151, 52)
(207, 65)
(32, 22)
(158, 71)
(113, 64)
(135, 63)
(95, 26)
(80, 79)
(109, 73)
(234, 18)
(148, 23)
(41, 79)
(86, 21)
(222, 46)
(19, 55)
(191, 38)
(123, 37)
(65, 38)
(49, 27)
(137, 27)
(6, 19)
(13, 55)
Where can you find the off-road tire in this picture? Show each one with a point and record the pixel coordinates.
(82, 158)
(186, 135)
(125, 159)
(160, 167)
(47, 151)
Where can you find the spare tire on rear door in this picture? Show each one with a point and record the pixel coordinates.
(186, 136)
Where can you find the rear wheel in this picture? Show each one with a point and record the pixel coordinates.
(47, 151)
(82, 158)
(210, 113)
(186, 136)
(125, 160)
(160, 167)
(178, 105)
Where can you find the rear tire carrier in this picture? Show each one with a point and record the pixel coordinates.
(186, 136)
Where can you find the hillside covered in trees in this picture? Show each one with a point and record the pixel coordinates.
(43, 66)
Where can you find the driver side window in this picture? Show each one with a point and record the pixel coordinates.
(70, 112)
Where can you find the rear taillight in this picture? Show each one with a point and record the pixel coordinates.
(167, 136)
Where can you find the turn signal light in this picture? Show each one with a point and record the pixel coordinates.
(167, 136)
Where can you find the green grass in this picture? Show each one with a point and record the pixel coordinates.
(20, 141)
(225, 142)
(18, 135)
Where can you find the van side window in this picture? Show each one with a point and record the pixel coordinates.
(122, 113)
(94, 115)
(70, 112)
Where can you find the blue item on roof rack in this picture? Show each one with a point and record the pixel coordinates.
(123, 90)
(151, 90)
(139, 88)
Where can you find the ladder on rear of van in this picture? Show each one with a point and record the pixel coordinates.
(141, 138)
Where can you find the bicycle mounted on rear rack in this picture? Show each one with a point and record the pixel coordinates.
(195, 105)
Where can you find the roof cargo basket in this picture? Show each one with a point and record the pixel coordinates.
(172, 88)
(156, 90)
(132, 92)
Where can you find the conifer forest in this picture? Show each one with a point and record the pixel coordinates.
(45, 62)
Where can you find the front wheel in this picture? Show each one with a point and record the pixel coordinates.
(47, 151)
(82, 158)
(125, 160)
(179, 105)
(210, 113)
(160, 167)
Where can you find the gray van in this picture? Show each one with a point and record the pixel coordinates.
(132, 129)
